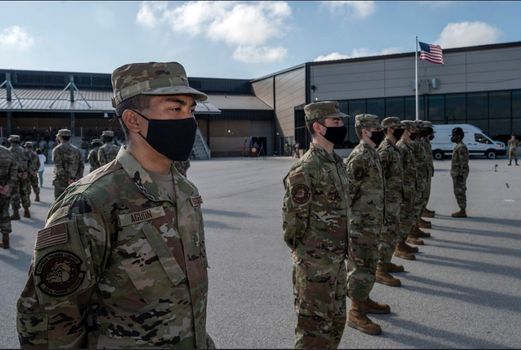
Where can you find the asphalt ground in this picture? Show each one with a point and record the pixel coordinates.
(462, 292)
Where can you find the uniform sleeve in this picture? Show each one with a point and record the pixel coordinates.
(385, 161)
(59, 164)
(463, 156)
(70, 252)
(101, 156)
(357, 172)
(81, 166)
(296, 206)
(13, 173)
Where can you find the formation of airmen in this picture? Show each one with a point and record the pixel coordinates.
(344, 220)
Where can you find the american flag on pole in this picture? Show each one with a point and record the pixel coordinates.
(431, 53)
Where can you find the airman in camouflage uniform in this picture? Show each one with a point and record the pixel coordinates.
(92, 157)
(8, 181)
(426, 135)
(34, 165)
(68, 163)
(107, 153)
(407, 217)
(314, 216)
(366, 218)
(22, 189)
(459, 171)
(392, 170)
(122, 262)
(513, 144)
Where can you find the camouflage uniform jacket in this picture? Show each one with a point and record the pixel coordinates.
(8, 168)
(68, 163)
(34, 161)
(392, 169)
(107, 153)
(22, 158)
(314, 211)
(93, 159)
(422, 166)
(428, 155)
(409, 170)
(365, 191)
(460, 161)
(119, 264)
(512, 146)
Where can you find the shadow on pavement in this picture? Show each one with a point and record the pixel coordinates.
(473, 247)
(472, 231)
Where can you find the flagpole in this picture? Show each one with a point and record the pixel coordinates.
(416, 78)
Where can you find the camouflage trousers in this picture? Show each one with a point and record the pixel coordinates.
(33, 180)
(427, 191)
(320, 303)
(5, 220)
(59, 187)
(512, 154)
(390, 234)
(407, 217)
(21, 191)
(460, 190)
(363, 257)
(419, 200)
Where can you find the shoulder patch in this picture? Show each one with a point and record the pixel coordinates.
(52, 235)
(196, 201)
(300, 193)
(59, 273)
(140, 216)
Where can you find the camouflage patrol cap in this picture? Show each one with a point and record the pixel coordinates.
(96, 142)
(64, 132)
(108, 133)
(323, 109)
(14, 138)
(367, 121)
(28, 144)
(391, 122)
(458, 131)
(151, 78)
(409, 125)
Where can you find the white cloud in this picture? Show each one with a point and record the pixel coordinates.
(360, 9)
(259, 54)
(357, 52)
(150, 13)
(247, 27)
(468, 34)
(436, 4)
(16, 38)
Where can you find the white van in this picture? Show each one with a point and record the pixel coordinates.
(476, 140)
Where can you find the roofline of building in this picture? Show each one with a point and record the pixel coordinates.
(408, 54)
(302, 65)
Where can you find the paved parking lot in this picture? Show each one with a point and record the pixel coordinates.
(462, 292)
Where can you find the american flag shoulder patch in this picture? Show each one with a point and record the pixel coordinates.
(52, 235)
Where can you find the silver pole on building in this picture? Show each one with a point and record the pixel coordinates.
(416, 78)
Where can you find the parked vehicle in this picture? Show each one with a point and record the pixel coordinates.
(478, 143)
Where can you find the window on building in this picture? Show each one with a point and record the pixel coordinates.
(410, 107)
(356, 107)
(376, 106)
(394, 107)
(499, 128)
(516, 112)
(436, 108)
(480, 123)
(499, 104)
(455, 109)
(477, 105)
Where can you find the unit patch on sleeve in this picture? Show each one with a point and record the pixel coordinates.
(52, 235)
(300, 193)
(59, 273)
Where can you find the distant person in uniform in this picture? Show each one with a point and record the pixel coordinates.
(68, 163)
(459, 171)
(41, 169)
(314, 215)
(34, 165)
(22, 190)
(121, 262)
(108, 152)
(8, 183)
(513, 143)
(366, 217)
(93, 154)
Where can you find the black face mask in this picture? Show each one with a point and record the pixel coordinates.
(397, 133)
(455, 139)
(377, 137)
(431, 137)
(172, 138)
(336, 134)
(413, 136)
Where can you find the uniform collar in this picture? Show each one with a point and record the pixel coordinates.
(141, 177)
(321, 152)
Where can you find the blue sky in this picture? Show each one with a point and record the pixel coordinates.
(238, 39)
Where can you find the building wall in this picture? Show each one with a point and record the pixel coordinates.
(481, 70)
(290, 91)
(263, 89)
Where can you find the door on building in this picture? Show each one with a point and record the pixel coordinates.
(258, 146)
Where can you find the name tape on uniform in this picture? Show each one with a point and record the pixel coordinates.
(140, 216)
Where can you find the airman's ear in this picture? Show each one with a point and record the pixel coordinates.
(132, 120)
